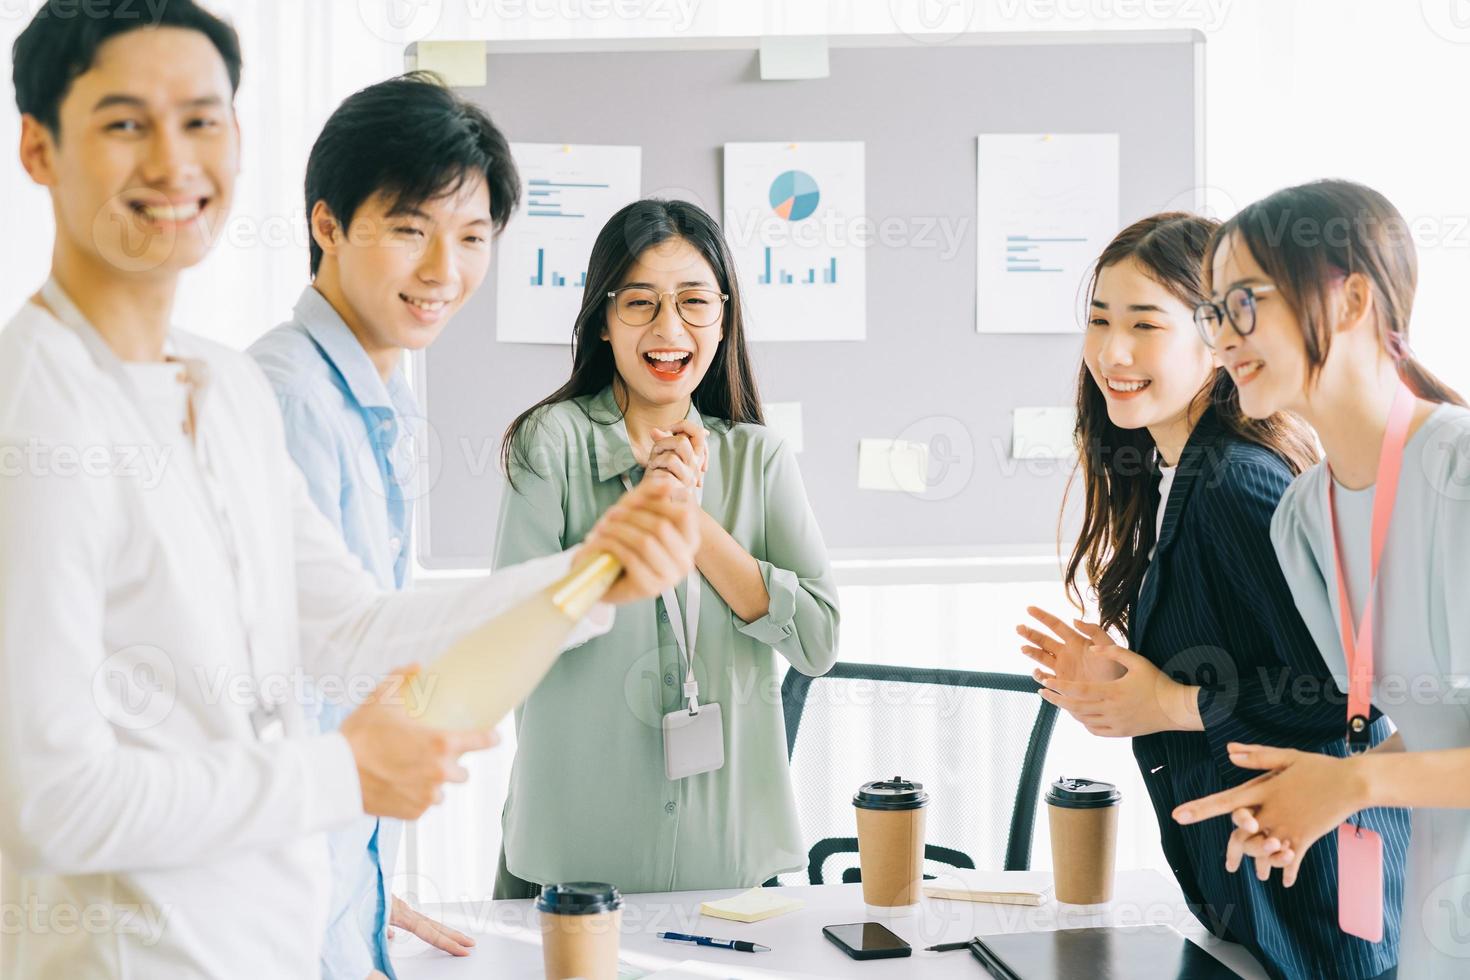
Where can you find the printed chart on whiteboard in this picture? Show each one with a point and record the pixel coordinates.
(1046, 206)
(569, 193)
(795, 216)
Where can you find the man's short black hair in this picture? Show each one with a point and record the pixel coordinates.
(414, 140)
(61, 43)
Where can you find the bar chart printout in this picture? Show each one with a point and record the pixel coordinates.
(794, 217)
(771, 274)
(569, 192)
(1046, 206)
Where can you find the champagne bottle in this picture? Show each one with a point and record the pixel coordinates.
(491, 669)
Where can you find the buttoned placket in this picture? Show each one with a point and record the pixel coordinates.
(206, 490)
(388, 437)
(265, 718)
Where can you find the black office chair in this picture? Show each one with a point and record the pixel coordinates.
(977, 741)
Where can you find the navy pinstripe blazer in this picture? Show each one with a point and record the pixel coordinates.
(1216, 611)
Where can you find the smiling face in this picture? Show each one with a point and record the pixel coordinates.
(1269, 366)
(663, 362)
(1142, 349)
(143, 167)
(403, 270)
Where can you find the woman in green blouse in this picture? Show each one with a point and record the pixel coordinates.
(661, 388)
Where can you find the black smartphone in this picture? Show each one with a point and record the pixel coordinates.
(867, 941)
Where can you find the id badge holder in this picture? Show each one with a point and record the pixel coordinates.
(694, 741)
(1360, 882)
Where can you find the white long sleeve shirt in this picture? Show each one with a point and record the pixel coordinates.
(146, 830)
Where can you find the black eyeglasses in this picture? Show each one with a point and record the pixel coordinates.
(638, 306)
(1239, 307)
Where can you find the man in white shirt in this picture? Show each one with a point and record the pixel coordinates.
(166, 581)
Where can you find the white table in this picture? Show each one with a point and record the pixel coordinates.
(508, 933)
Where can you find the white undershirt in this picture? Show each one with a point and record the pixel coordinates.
(1355, 524)
(1166, 483)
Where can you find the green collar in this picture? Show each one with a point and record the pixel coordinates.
(610, 434)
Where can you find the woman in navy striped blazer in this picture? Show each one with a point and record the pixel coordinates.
(1180, 487)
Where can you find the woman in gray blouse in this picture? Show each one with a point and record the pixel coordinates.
(1318, 282)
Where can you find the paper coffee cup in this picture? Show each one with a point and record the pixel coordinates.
(890, 830)
(1084, 838)
(580, 924)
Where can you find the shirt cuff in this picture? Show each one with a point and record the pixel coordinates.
(777, 625)
(333, 789)
(598, 621)
(346, 954)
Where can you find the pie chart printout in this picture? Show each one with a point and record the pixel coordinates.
(795, 215)
(795, 195)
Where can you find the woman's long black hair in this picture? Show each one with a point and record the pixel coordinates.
(728, 389)
(1116, 464)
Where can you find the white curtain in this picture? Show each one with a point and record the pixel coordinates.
(300, 60)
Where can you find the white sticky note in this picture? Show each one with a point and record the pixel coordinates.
(894, 465)
(1043, 433)
(785, 419)
(787, 58)
(461, 63)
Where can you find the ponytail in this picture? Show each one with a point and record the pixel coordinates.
(1425, 385)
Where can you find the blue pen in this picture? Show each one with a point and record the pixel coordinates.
(739, 945)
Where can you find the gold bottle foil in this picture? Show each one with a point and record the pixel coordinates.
(579, 591)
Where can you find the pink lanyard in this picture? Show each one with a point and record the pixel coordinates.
(1359, 649)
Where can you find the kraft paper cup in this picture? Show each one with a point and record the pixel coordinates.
(580, 923)
(1084, 837)
(890, 830)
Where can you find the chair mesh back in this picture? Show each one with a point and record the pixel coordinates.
(960, 733)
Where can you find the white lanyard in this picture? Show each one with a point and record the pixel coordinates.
(685, 634)
(266, 718)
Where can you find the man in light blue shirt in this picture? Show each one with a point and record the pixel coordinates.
(405, 188)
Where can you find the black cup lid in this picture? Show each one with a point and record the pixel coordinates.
(579, 898)
(891, 794)
(1082, 794)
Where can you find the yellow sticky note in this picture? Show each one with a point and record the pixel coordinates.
(752, 906)
(461, 63)
(894, 465)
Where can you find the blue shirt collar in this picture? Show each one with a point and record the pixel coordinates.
(345, 352)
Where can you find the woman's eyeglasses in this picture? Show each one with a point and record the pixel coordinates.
(638, 306)
(1238, 306)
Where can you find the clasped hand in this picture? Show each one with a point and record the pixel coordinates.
(1110, 689)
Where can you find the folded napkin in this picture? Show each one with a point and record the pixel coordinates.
(1000, 888)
